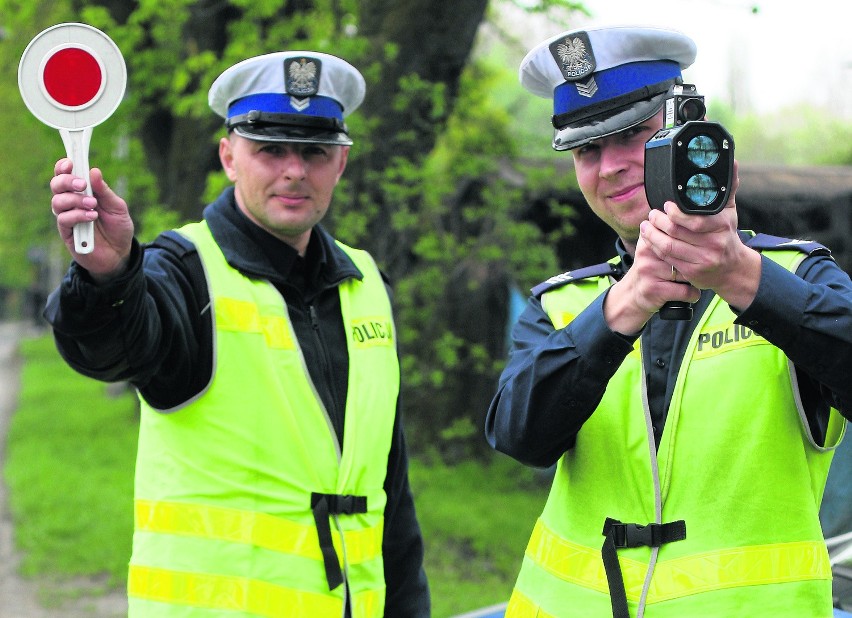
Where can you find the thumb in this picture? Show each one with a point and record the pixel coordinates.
(100, 188)
(107, 199)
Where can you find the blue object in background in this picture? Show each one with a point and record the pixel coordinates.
(517, 302)
(493, 611)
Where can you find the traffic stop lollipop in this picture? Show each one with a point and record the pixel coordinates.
(72, 77)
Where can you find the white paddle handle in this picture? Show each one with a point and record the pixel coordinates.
(77, 148)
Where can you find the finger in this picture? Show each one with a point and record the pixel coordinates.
(681, 223)
(67, 219)
(691, 293)
(70, 200)
(658, 241)
(731, 205)
(65, 183)
(63, 166)
(664, 221)
(679, 290)
(736, 183)
(678, 225)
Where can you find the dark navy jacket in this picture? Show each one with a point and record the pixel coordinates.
(151, 327)
(554, 379)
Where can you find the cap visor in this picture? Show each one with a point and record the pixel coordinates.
(590, 129)
(278, 133)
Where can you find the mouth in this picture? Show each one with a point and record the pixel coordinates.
(626, 193)
(291, 199)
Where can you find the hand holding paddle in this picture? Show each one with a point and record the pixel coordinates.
(72, 77)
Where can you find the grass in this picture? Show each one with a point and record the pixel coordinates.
(476, 520)
(69, 470)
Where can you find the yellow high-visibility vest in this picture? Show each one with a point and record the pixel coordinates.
(229, 486)
(736, 463)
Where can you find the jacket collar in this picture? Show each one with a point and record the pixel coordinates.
(254, 252)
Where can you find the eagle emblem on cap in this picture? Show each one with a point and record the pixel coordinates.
(574, 56)
(302, 76)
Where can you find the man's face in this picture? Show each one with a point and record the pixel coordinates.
(284, 187)
(611, 175)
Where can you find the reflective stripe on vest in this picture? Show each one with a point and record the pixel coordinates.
(253, 528)
(224, 483)
(242, 316)
(219, 592)
(742, 566)
(520, 606)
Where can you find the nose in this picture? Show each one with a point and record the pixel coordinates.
(612, 161)
(294, 167)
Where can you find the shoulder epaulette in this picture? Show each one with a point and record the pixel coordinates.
(598, 270)
(175, 242)
(767, 242)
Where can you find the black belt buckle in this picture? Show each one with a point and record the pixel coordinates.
(345, 504)
(634, 535)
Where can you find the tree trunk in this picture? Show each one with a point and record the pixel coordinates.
(434, 39)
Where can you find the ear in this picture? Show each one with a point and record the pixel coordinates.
(344, 158)
(226, 156)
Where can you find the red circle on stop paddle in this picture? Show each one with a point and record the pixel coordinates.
(72, 77)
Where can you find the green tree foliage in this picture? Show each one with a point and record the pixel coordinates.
(439, 180)
(796, 135)
(467, 243)
(27, 150)
(427, 189)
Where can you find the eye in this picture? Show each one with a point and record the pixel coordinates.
(311, 151)
(642, 132)
(632, 132)
(272, 149)
(587, 150)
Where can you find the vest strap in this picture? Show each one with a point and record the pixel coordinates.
(618, 536)
(323, 505)
(652, 535)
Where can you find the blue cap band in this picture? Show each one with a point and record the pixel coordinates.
(613, 83)
(277, 103)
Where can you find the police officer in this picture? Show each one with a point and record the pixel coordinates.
(272, 470)
(688, 477)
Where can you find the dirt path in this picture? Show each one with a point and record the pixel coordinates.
(20, 597)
